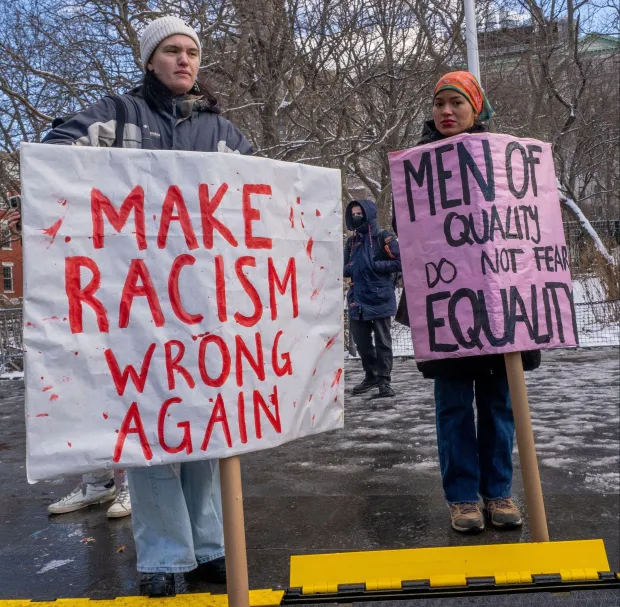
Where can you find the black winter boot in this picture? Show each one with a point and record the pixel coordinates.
(213, 571)
(157, 584)
(368, 384)
(385, 390)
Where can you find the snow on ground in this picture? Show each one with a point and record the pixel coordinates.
(575, 405)
(12, 375)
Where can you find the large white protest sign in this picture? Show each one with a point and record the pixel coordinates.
(178, 306)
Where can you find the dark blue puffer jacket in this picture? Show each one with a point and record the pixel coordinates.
(371, 256)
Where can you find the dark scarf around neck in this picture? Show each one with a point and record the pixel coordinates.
(159, 96)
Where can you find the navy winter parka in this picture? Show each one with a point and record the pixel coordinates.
(371, 257)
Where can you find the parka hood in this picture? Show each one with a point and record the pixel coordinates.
(370, 213)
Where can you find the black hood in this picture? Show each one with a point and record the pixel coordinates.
(370, 213)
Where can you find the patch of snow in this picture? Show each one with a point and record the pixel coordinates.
(344, 468)
(12, 375)
(606, 482)
(76, 533)
(54, 565)
(424, 465)
(557, 462)
(605, 461)
(377, 446)
(371, 432)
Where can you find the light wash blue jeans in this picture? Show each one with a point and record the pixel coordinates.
(176, 515)
(100, 478)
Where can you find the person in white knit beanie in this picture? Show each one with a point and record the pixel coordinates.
(176, 508)
(171, 50)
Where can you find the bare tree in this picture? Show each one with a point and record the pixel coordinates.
(552, 80)
(338, 83)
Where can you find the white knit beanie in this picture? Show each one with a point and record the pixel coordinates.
(159, 30)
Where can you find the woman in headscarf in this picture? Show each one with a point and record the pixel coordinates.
(475, 462)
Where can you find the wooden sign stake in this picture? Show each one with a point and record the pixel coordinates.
(234, 533)
(527, 448)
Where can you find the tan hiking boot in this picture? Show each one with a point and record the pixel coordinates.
(466, 517)
(503, 513)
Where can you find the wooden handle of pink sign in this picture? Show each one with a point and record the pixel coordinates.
(527, 448)
(234, 533)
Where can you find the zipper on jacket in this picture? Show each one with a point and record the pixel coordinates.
(174, 119)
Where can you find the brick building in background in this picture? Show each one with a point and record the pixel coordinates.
(11, 263)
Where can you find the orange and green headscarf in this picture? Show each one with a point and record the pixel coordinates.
(466, 84)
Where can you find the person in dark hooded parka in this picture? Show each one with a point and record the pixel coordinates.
(371, 260)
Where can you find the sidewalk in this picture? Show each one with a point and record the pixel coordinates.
(374, 485)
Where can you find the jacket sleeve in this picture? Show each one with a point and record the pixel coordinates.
(347, 259)
(95, 126)
(235, 142)
(394, 225)
(391, 261)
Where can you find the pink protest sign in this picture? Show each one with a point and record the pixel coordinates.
(485, 262)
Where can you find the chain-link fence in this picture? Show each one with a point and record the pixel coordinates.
(597, 325)
(11, 344)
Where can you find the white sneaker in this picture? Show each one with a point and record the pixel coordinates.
(81, 497)
(122, 504)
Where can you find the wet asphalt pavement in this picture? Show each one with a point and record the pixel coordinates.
(373, 485)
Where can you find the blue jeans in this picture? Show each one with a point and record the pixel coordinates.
(176, 515)
(474, 463)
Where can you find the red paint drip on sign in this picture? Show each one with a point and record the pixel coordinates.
(309, 248)
(46, 388)
(67, 238)
(330, 343)
(318, 213)
(62, 202)
(291, 218)
(53, 230)
(43, 415)
(337, 377)
(105, 415)
(54, 397)
(315, 294)
(200, 335)
(298, 200)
